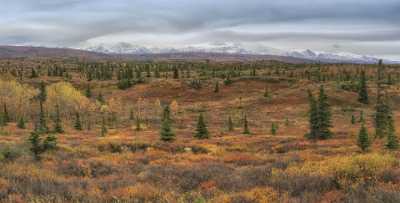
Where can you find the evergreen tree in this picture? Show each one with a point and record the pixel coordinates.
(353, 119)
(274, 128)
(57, 121)
(42, 92)
(2, 124)
(324, 115)
(230, 124)
(363, 138)
(34, 74)
(39, 146)
(100, 98)
(42, 125)
(21, 123)
(267, 94)
(138, 124)
(313, 117)
(245, 126)
(392, 141)
(361, 117)
(166, 113)
(131, 116)
(216, 89)
(381, 119)
(363, 92)
(228, 80)
(166, 133)
(157, 73)
(201, 130)
(88, 91)
(176, 73)
(104, 129)
(77, 124)
(36, 147)
(287, 123)
(6, 117)
(381, 108)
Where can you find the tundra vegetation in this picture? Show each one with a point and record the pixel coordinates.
(73, 130)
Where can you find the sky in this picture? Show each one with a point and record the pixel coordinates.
(370, 27)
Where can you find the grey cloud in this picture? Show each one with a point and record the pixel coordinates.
(70, 22)
(370, 36)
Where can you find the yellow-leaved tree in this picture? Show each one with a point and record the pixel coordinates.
(68, 98)
(17, 98)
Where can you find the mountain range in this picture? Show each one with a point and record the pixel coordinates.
(221, 51)
(232, 48)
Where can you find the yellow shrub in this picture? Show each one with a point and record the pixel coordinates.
(346, 170)
(262, 195)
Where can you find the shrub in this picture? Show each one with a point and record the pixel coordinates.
(297, 185)
(9, 153)
(199, 150)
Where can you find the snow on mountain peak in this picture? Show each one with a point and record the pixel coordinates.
(236, 48)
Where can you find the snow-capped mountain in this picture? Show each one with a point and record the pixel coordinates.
(235, 48)
(126, 48)
(340, 57)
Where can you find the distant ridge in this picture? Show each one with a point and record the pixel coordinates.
(295, 57)
(238, 50)
(29, 52)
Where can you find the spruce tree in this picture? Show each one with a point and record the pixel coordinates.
(201, 130)
(166, 133)
(58, 128)
(77, 124)
(392, 141)
(267, 95)
(176, 73)
(313, 117)
(88, 91)
(2, 124)
(42, 92)
(274, 128)
(6, 116)
(36, 147)
(353, 119)
(381, 118)
(104, 129)
(100, 98)
(245, 126)
(42, 125)
(363, 138)
(166, 113)
(131, 116)
(287, 123)
(138, 124)
(361, 117)
(34, 74)
(157, 73)
(216, 89)
(230, 124)
(363, 92)
(381, 108)
(324, 115)
(21, 123)
(39, 146)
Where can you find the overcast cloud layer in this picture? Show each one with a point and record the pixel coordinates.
(369, 27)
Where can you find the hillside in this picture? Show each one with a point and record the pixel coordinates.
(32, 52)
